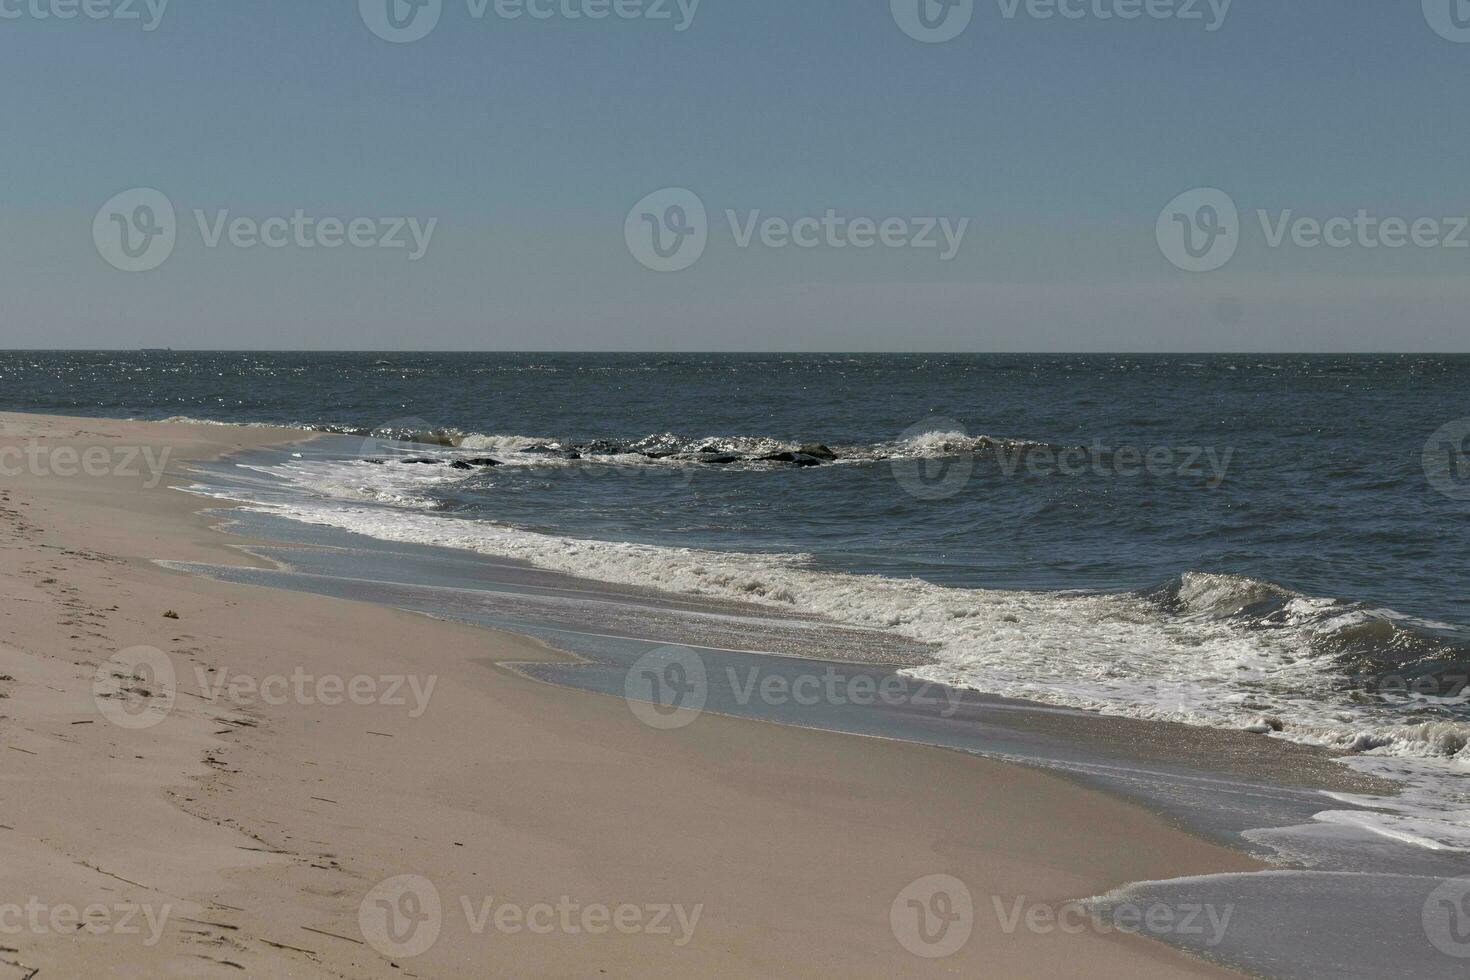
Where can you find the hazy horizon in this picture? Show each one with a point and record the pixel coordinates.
(828, 177)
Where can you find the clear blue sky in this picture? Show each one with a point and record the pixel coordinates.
(529, 140)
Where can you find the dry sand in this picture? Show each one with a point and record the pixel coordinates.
(252, 829)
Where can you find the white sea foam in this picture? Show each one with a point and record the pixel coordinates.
(417, 436)
(1114, 653)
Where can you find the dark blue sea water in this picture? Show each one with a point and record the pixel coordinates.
(1325, 492)
(1225, 540)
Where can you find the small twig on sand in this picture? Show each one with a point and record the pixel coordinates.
(129, 881)
(203, 922)
(323, 932)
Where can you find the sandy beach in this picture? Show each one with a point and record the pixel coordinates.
(312, 749)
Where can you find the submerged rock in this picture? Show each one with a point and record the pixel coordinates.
(553, 450)
(797, 459)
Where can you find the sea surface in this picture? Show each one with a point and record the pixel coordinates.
(1264, 542)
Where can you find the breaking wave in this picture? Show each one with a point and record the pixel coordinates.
(1206, 649)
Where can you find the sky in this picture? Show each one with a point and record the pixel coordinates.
(959, 175)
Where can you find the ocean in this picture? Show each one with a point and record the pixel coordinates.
(1269, 542)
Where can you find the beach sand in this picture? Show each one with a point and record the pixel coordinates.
(252, 827)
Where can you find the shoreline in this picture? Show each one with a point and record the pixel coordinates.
(756, 823)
